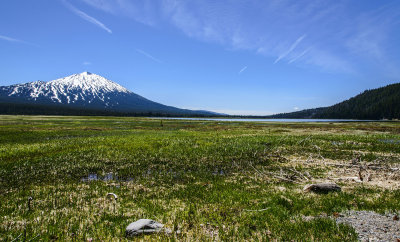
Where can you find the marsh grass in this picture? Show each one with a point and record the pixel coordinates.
(204, 180)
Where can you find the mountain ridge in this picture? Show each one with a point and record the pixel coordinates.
(87, 91)
(375, 104)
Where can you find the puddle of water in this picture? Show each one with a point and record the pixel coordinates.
(112, 177)
(218, 172)
(390, 141)
(94, 177)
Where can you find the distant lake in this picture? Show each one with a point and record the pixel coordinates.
(272, 120)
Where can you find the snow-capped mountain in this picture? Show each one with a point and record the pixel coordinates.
(85, 90)
(75, 89)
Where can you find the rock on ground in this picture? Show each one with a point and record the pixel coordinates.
(144, 226)
(322, 188)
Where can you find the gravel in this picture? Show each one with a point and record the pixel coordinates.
(371, 226)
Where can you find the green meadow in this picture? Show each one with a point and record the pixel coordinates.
(204, 180)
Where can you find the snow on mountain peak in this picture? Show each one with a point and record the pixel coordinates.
(88, 82)
(84, 86)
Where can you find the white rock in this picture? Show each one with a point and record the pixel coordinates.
(145, 226)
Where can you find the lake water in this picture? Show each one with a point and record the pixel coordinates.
(271, 120)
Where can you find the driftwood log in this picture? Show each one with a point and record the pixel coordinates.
(322, 188)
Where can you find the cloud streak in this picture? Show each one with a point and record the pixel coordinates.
(292, 47)
(299, 56)
(148, 56)
(242, 70)
(144, 11)
(86, 17)
(9, 39)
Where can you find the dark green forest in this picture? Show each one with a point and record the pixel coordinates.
(375, 104)
(40, 109)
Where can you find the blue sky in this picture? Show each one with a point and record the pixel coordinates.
(237, 57)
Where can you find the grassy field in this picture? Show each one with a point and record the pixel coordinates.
(204, 180)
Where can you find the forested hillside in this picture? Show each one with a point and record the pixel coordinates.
(380, 103)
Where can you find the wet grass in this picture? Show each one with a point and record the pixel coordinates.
(205, 180)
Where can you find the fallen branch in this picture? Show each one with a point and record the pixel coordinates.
(285, 179)
(366, 166)
(274, 176)
(298, 173)
(256, 210)
(281, 178)
(16, 238)
(34, 238)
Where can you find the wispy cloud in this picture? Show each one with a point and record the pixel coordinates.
(328, 62)
(6, 38)
(148, 56)
(10, 39)
(145, 12)
(242, 70)
(373, 38)
(299, 56)
(340, 35)
(105, 5)
(86, 17)
(292, 47)
(86, 63)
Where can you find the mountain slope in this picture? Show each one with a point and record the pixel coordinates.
(86, 91)
(380, 103)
